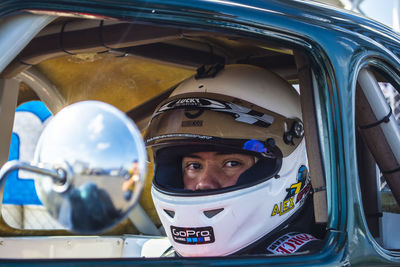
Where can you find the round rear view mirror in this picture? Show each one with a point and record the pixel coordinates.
(96, 165)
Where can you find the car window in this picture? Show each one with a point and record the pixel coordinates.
(377, 123)
(135, 77)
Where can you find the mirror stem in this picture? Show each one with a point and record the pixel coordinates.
(59, 175)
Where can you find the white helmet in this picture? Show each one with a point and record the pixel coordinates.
(236, 108)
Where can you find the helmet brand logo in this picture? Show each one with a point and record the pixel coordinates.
(188, 101)
(193, 236)
(239, 113)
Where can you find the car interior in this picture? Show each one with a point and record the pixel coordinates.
(134, 65)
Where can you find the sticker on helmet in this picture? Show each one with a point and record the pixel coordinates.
(255, 145)
(193, 236)
(240, 113)
(283, 207)
(290, 243)
(301, 189)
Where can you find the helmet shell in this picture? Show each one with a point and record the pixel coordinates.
(250, 83)
(221, 222)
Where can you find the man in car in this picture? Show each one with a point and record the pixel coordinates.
(231, 172)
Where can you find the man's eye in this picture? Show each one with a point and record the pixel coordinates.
(232, 163)
(193, 166)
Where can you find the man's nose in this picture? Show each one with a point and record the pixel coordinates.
(208, 179)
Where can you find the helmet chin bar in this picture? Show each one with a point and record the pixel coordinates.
(245, 211)
(255, 210)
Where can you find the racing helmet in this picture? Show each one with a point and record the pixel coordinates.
(233, 109)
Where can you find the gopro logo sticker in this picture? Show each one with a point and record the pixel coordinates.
(193, 236)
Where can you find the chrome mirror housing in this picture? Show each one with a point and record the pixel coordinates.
(89, 166)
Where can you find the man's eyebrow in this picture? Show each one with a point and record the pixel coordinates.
(225, 153)
(192, 156)
(217, 153)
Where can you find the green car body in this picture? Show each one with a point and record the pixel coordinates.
(337, 43)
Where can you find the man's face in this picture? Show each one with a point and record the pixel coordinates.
(213, 170)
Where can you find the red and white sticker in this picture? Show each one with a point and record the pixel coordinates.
(290, 243)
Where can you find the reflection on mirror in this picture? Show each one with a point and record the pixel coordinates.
(89, 166)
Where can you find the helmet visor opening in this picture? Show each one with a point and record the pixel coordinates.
(168, 176)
